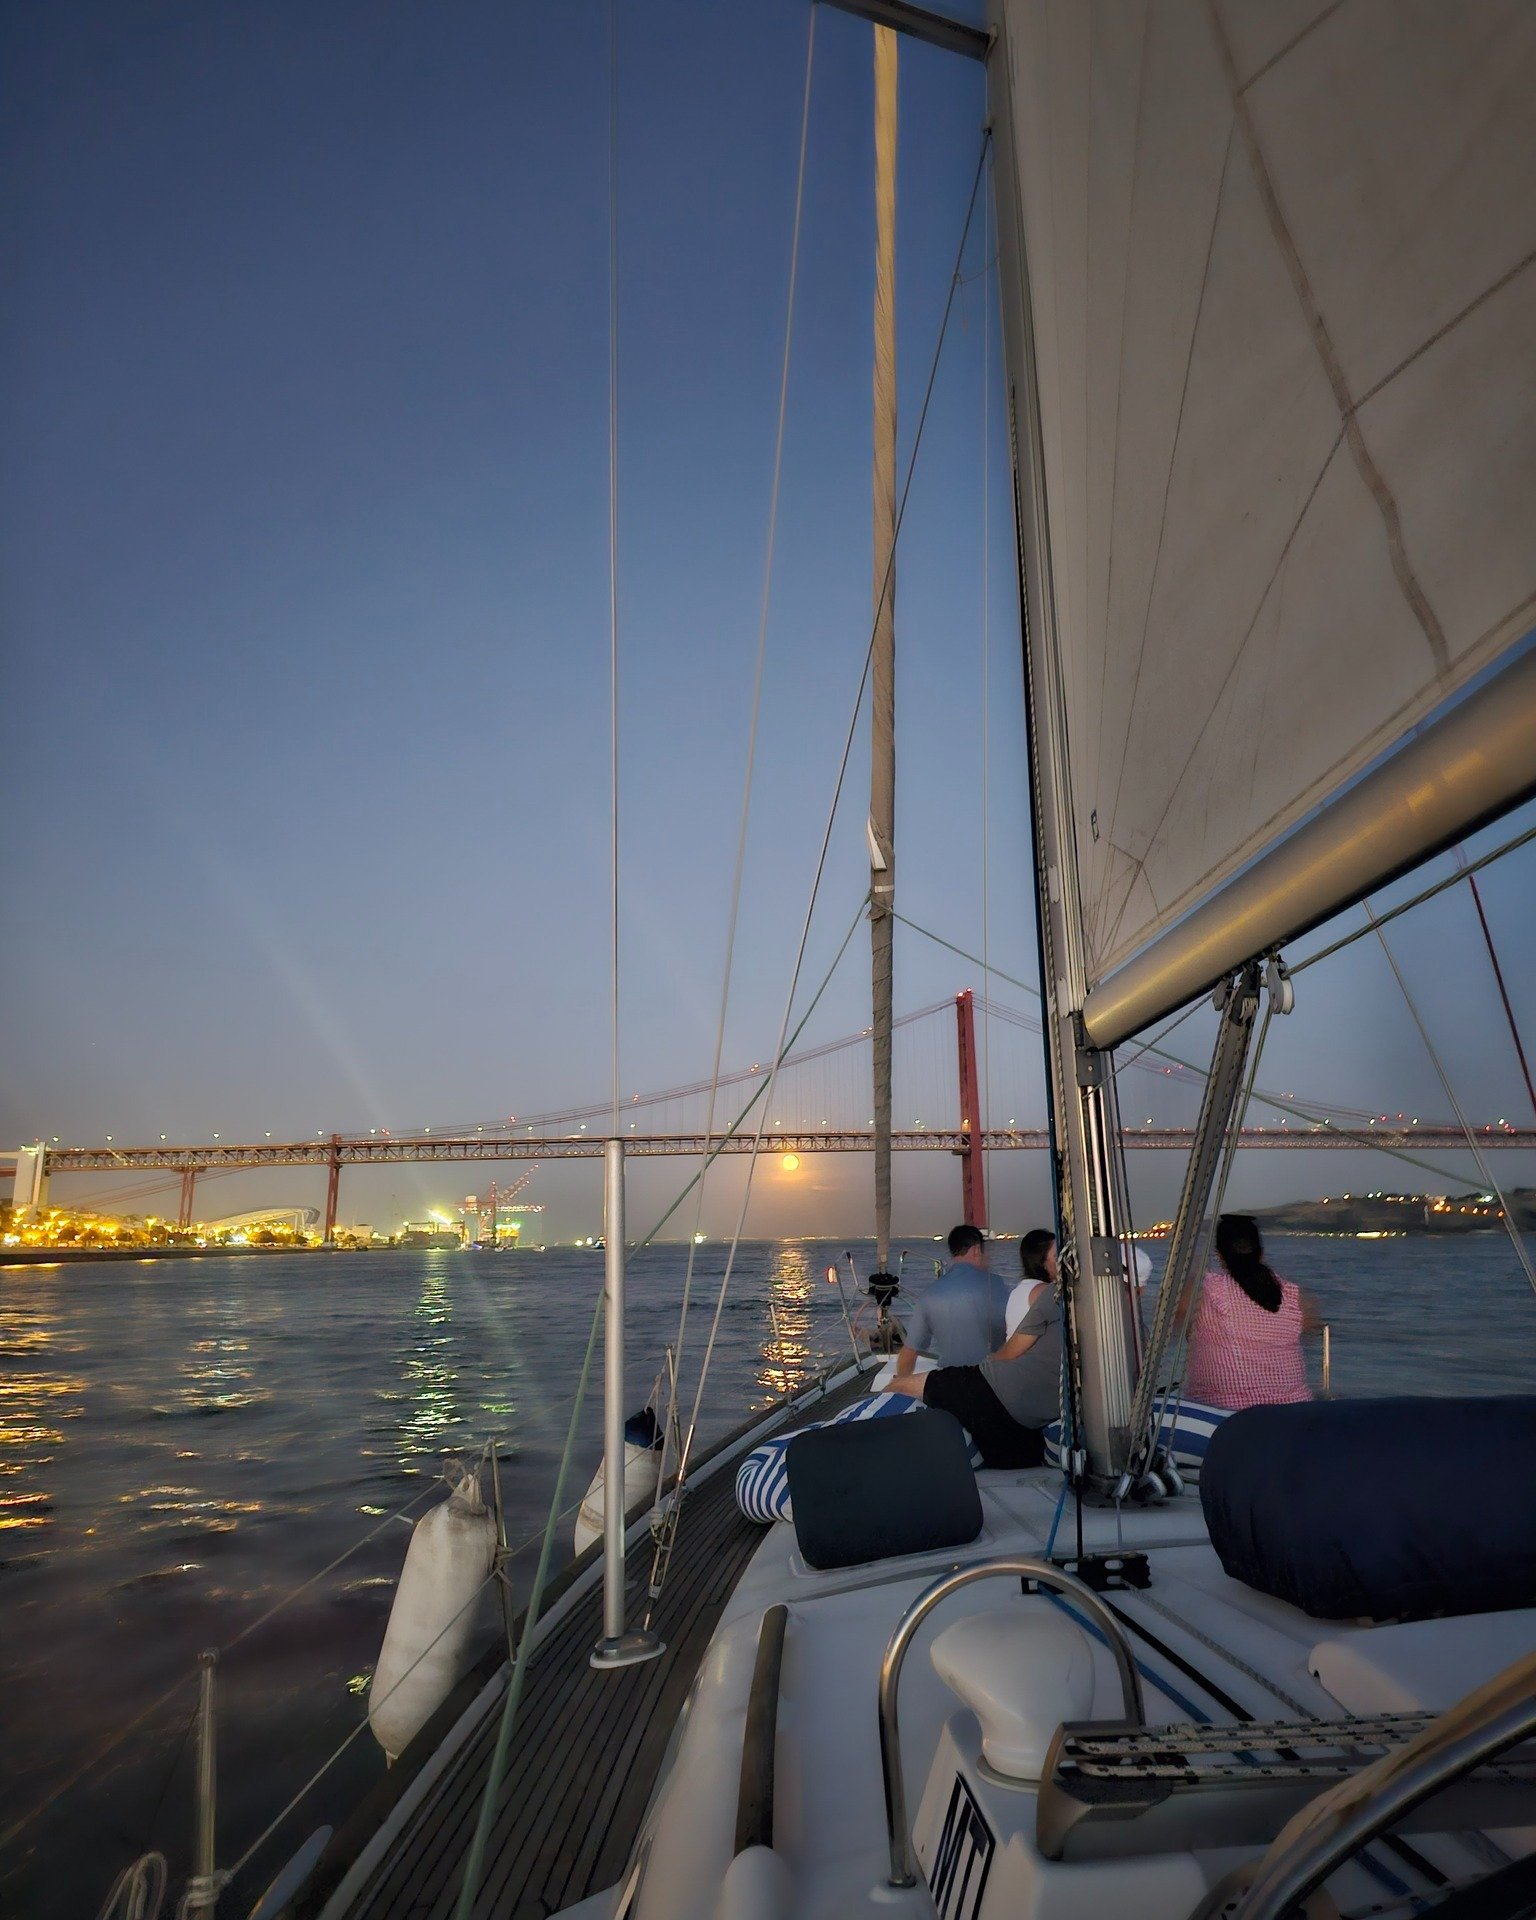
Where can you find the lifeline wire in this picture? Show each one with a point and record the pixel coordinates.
(476, 1860)
(226, 1874)
(331, 1759)
(115, 1740)
(757, 689)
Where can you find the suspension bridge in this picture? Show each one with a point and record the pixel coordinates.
(955, 1092)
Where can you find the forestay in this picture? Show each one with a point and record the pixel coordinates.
(1281, 265)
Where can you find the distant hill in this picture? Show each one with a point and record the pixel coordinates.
(1475, 1212)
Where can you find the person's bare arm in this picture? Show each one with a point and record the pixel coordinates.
(906, 1360)
(1311, 1313)
(1014, 1345)
(911, 1384)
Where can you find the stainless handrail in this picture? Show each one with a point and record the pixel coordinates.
(898, 1834)
(1335, 1826)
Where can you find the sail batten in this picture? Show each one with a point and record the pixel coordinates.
(1283, 272)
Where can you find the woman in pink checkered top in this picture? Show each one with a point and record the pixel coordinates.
(1245, 1343)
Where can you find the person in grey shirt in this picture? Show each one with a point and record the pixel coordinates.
(1025, 1372)
(960, 1319)
(1005, 1401)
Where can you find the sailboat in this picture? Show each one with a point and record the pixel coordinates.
(1268, 302)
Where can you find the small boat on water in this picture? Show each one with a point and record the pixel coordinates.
(1268, 286)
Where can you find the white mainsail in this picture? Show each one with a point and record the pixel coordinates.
(1284, 304)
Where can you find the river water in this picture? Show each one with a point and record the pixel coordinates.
(186, 1446)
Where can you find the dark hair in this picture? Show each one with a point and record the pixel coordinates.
(1242, 1254)
(1032, 1251)
(962, 1239)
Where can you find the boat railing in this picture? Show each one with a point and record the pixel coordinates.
(903, 1872)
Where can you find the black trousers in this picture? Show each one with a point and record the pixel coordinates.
(964, 1392)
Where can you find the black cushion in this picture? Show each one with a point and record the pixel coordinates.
(1396, 1509)
(871, 1489)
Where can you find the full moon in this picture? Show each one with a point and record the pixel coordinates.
(790, 1163)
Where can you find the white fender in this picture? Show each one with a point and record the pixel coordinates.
(641, 1466)
(426, 1644)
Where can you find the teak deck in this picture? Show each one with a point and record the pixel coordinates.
(587, 1746)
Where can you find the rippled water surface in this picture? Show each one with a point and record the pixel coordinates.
(208, 1453)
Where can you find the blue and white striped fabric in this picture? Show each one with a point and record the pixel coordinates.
(1186, 1435)
(762, 1479)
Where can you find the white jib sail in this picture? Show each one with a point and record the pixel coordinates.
(1281, 255)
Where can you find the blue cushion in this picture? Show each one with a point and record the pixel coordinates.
(1391, 1509)
(762, 1479)
(877, 1489)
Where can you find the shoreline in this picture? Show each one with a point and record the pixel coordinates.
(76, 1256)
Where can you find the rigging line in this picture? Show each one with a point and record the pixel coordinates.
(757, 683)
(1264, 1099)
(663, 1555)
(474, 1863)
(1172, 1400)
(228, 1646)
(837, 792)
(738, 1076)
(356, 1547)
(1418, 900)
(986, 702)
(1498, 974)
(901, 508)
(1155, 1043)
(940, 941)
(764, 1085)
(226, 1874)
(1450, 1093)
(613, 517)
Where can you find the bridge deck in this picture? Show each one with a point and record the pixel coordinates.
(587, 1747)
(352, 1152)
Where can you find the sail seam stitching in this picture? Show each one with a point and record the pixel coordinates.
(1173, 454)
(1269, 586)
(1365, 463)
(1450, 326)
(1114, 484)
(1291, 45)
(1472, 660)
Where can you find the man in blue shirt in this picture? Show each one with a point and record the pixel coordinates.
(959, 1320)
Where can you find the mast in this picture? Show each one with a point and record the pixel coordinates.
(882, 769)
(1085, 1121)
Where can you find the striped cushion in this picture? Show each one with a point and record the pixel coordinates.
(1186, 1435)
(762, 1479)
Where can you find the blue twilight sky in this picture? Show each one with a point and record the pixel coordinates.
(304, 594)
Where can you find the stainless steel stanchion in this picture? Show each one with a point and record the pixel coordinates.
(617, 1648)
